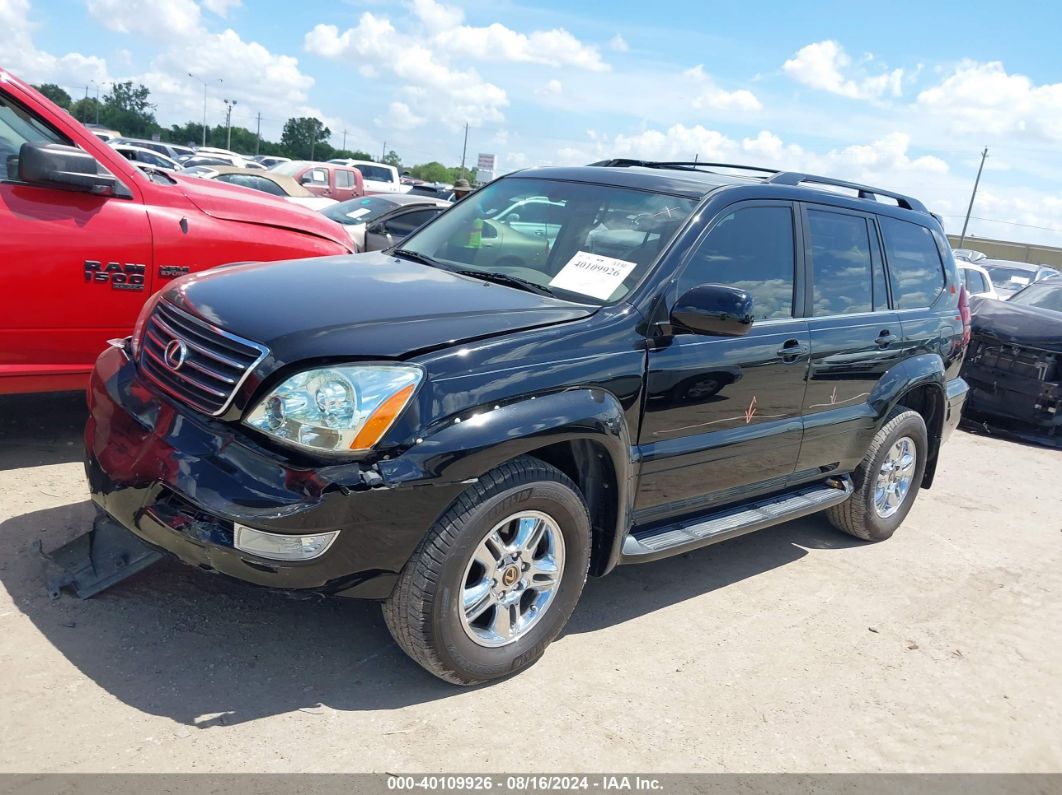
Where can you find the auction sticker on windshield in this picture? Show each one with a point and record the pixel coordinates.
(593, 275)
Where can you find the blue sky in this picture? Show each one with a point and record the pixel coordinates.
(901, 94)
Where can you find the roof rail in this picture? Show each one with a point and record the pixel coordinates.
(688, 165)
(863, 191)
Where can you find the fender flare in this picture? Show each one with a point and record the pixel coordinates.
(466, 447)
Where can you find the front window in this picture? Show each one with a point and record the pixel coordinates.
(1044, 296)
(605, 238)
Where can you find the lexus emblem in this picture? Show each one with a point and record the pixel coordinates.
(175, 354)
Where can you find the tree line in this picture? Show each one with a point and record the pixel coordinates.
(127, 107)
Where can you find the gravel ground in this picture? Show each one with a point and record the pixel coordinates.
(792, 649)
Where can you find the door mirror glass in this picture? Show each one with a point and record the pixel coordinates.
(714, 309)
(60, 166)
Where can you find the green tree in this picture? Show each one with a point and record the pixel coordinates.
(55, 94)
(306, 138)
(84, 110)
(127, 108)
(431, 172)
(392, 159)
(457, 173)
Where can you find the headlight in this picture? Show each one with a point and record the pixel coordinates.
(141, 321)
(336, 409)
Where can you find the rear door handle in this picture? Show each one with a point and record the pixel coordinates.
(792, 351)
(885, 338)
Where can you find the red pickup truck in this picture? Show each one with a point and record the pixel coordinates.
(86, 237)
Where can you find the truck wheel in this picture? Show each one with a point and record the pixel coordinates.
(496, 578)
(887, 479)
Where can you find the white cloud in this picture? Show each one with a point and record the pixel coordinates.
(157, 20)
(399, 117)
(822, 66)
(710, 96)
(552, 87)
(221, 7)
(431, 87)
(985, 98)
(496, 42)
(437, 16)
(619, 44)
(19, 53)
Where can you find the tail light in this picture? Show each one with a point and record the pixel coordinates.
(964, 313)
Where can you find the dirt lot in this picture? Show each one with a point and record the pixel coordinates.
(794, 649)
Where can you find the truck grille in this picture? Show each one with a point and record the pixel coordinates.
(195, 362)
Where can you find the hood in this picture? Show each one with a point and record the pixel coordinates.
(1017, 324)
(366, 305)
(235, 203)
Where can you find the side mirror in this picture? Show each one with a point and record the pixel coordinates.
(67, 167)
(375, 228)
(714, 309)
(512, 218)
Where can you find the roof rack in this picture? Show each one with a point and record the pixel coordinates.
(776, 177)
(863, 191)
(689, 165)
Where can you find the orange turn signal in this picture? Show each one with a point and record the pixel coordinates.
(380, 420)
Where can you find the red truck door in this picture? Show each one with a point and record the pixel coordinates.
(75, 270)
(346, 184)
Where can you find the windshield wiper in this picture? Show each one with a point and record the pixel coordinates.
(508, 281)
(416, 256)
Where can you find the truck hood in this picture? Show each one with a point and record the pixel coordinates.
(244, 205)
(1017, 324)
(365, 305)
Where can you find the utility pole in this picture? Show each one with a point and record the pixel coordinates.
(204, 82)
(383, 152)
(464, 149)
(344, 140)
(962, 237)
(97, 100)
(229, 105)
(258, 134)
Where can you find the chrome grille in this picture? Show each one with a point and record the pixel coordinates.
(215, 363)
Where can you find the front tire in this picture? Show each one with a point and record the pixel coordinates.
(887, 480)
(496, 578)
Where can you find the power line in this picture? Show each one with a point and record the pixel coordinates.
(1008, 223)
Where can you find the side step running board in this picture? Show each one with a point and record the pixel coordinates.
(672, 539)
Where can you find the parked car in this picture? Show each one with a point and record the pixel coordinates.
(977, 280)
(88, 237)
(378, 177)
(1009, 276)
(324, 179)
(229, 157)
(207, 163)
(145, 158)
(268, 161)
(1014, 365)
(377, 222)
(969, 255)
(267, 182)
(437, 190)
(103, 133)
(465, 440)
(172, 151)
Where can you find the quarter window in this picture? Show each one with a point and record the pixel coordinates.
(752, 249)
(915, 267)
(841, 264)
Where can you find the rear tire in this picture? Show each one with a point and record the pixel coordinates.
(885, 483)
(483, 596)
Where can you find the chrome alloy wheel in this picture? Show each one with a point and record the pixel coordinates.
(512, 578)
(895, 477)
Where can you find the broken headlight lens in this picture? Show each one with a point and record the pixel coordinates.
(336, 409)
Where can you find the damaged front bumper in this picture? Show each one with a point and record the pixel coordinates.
(1015, 387)
(181, 482)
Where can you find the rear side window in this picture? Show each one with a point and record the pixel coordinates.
(915, 266)
(975, 282)
(750, 248)
(843, 270)
(344, 179)
(376, 173)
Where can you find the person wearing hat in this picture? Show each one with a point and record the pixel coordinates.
(461, 189)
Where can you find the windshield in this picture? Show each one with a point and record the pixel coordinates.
(587, 243)
(289, 168)
(1008, 278)
(1045, 296)
(359, 211)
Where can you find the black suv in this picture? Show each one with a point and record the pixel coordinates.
(661, 356)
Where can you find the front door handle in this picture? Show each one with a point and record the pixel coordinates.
(885, 338)
(792, 351)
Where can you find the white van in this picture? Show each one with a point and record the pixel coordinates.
(379, 177)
